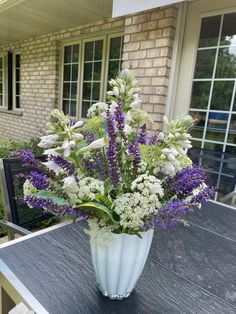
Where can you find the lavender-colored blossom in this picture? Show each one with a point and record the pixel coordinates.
(142, 135)
(119, 116)
(112, 151)
(203, 196)
(134, 152)
(38, 179)
(185, 181)
(90, 137)
(63, 164)
(27, 157)
(152, 140)
(49, 206)
(168, 215)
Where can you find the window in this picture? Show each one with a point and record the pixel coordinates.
(213, 101)
(1, 82)
(16, 79)
(87, 66)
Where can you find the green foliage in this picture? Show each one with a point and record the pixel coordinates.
(49, 195)
(100, 211)
(150, 153)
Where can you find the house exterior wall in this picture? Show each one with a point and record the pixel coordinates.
(148, 45)
(147, 50)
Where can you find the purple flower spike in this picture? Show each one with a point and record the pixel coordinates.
(112, 151)
(38, 179)
(64, 164)
(27, 157)
(185, 181)
(134, 152)
(142, 136)
(152, 140)
(120, 120)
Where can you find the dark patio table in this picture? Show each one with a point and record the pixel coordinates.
(189, 270)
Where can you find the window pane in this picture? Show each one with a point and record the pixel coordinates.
(74, 72)
(67, 54)
(88, 54)
(1, 102)
(98, 50)
(75, 53)
(97, 71)
(216, 126)
(1, 76)
(73, 90)
(205, 63)
(115, 48)
(222, 95)
(87, 91)
(85, 108)
(73, 108)
(226, 63)
(232, 130)
(18, 75)
(114, 68)
(66, 90)
(200, 95)
(18, 61)
(209, 31)
(0, 88)
(88, 71)
(17, 88)
(198, 129)
(96, 91)
(67, 73)
(228, 36)
(65, 106)
(1, 63)
(17, 101)
(231, 149)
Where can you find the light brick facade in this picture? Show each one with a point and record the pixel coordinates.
(147, 50)
(148, 45)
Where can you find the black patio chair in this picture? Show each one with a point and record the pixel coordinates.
(18, 217)
(222, 167)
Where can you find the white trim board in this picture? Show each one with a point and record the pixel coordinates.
(121, 7)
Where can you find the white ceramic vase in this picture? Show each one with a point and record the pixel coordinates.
(119, 265)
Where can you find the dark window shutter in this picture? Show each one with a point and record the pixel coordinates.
(9, 80)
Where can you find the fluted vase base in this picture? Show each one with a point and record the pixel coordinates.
(119, 265)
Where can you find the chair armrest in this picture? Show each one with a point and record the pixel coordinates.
(14, 228)
(228, 196)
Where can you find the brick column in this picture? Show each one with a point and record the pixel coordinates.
(148, 45)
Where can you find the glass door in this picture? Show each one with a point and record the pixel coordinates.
(213, 100)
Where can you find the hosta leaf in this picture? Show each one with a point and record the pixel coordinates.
(56, 199)
(99, 210)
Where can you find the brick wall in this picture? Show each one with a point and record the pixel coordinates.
(40, 64)
(148, 45)
(147, 50)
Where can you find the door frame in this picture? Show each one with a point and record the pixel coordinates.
(188, 35)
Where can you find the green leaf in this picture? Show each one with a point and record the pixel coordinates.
(49, 195)
(99, 210)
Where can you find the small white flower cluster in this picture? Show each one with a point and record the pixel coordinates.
(147, 185)
(89, 187)
(142, 167)
(132, 207)
(100, 233)
(83, 188)
(28, 188)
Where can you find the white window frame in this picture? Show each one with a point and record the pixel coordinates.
(14, 81)
(4, 83)
(106, 37)
(187, 55)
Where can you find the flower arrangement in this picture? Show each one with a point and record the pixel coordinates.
(111, 173)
